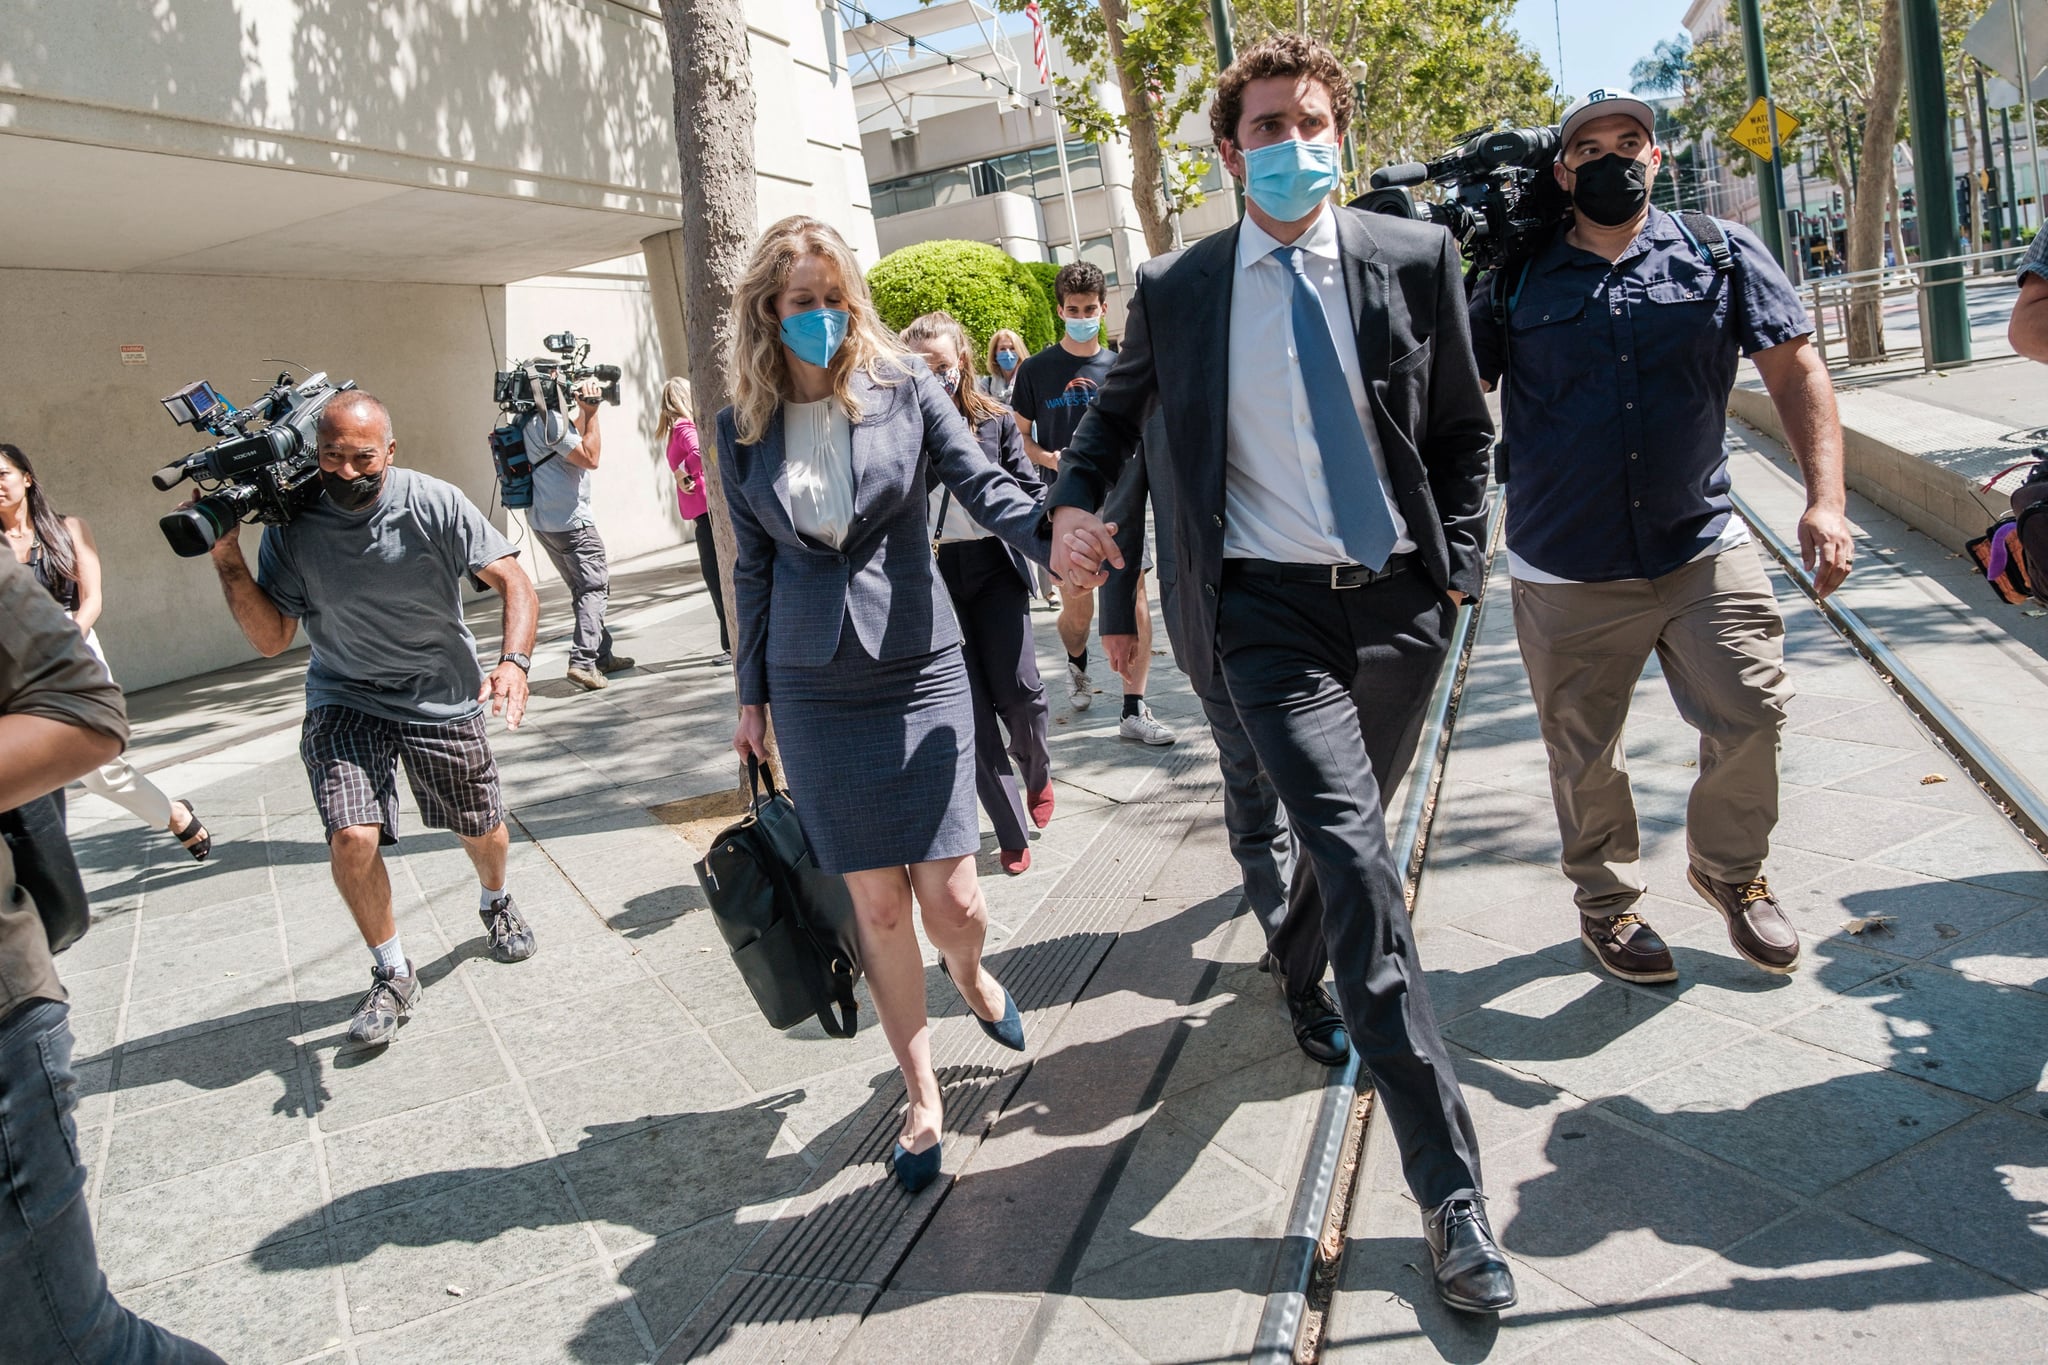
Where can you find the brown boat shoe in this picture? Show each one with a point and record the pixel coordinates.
(1756, 922)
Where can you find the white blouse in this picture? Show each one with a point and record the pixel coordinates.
(817, 443)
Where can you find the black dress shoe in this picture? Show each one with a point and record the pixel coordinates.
(1472, 1274)
(1318, 1027)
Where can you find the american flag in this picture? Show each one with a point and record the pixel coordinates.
(1038, 52)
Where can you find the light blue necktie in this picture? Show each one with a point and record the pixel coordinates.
(1360, 507)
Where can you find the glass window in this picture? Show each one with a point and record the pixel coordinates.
(1099, 252)
(913, 192)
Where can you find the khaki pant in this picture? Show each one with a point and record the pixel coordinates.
(1715, 628)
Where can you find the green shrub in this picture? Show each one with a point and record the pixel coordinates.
(1045, 272)
(985, 289)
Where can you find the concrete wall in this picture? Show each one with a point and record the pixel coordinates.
(95, 430)
(1014, 223)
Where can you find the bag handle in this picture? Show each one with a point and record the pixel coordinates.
(840, 1016)
(757, 774)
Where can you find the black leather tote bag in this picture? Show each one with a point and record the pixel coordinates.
(789, 925)
(45, 869)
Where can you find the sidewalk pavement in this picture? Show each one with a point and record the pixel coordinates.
(604, 1154)
(1846, 1163)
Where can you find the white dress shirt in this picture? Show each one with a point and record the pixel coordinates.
(1276, 505)
(817, 448)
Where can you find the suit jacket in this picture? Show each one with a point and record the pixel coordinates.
(1414, 351)
(792, 595)
(1002, 442)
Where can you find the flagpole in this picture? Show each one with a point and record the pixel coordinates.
(1040, 53)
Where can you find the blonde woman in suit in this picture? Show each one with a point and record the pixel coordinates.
(842, 623)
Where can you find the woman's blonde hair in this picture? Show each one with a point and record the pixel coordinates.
(995, 343)
(678, 401)
(760, 374)
(943, 326)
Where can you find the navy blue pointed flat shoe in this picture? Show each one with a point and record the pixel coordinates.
(914, 1171)
(1008, 1030)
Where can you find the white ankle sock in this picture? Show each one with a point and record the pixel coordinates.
(391, 957)
(486, 898)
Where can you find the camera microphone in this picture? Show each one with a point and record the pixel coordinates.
(1406, 173)
(169, 477)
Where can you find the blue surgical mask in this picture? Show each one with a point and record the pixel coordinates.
(1288, 179)
(1083, 329)
(815, 336)
(1007, 359)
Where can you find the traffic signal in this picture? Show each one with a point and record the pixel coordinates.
(1906, 204)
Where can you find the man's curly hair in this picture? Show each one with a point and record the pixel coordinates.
(1284, 54)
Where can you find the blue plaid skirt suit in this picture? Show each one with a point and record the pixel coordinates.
(854, 646)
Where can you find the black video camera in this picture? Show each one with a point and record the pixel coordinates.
(545, 381)
(264, 468)
(1501, 199)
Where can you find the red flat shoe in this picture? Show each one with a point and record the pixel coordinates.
(1015, 861)
(1041, 807)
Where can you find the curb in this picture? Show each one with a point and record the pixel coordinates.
(1921, 463)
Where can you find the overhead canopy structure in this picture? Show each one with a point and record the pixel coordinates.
(931, 60)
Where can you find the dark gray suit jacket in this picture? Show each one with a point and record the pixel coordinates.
(1414, 350)
(792, 594)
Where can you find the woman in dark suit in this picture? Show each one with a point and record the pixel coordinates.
(990, 584)
(842, 624)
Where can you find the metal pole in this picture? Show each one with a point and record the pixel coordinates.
(1849, 132)
(1947, 338)
(1984, 131)
(1771, 186)
(1059, 147)
(2012, 182)
(2026, 84)
(1226, 56)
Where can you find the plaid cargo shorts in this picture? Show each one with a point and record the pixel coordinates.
(352, 758)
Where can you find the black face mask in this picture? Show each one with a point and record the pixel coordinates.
(1611, 190)
(352, 495)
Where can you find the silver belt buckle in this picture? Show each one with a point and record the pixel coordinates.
(1335, 570)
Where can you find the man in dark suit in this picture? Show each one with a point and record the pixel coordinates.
(1329, 445)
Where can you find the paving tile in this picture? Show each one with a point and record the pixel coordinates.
(1974, 1036)
(1069, 1329)
(634, 1089)
(1844, 825)
(585, 969)
(1504, 1103)
(1260, 1114)
(360, 1085)
(780, 1061)
(549, 1037)
(2015, 953)
(1984, 849)
(164, 933)
(1588, 1035)
(672, 1276)
(230, 1000)
(1173, 1189)
(277, 1304)
(1840, 1291)
(751, 1317)
(211, 1215)
(1977, 1192)
(216, 1128)
(1927, 914)
(481, 1238)
(164, 969)
(962, 1329)
(1794, 1114)
(426, 1150)
(1811, 761)
(1713, 977)
(587, 1325)
(1609, 1214)
(1208, 1290)
(1902, 780)
(646, 1181)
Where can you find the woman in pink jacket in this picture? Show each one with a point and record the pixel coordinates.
(686, 461)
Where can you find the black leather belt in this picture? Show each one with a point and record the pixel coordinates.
(1322, 575)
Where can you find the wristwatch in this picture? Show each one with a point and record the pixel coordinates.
(525, 663)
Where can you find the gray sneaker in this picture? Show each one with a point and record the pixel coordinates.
(379, 1013)
(511, 938)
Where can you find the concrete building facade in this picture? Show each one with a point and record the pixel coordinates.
(406, 193)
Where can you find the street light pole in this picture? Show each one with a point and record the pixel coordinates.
(1771, 186)
(1226, 55)
(1990, 171)
(1948, 314)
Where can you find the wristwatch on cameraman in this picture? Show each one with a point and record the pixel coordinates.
(525, 663)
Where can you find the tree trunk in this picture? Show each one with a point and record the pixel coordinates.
(714, 113)
(1148, 162)
(1874, 187)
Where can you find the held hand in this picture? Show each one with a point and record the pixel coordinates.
(588, 391)
(750, 740)
(228, 547)
(1080, 542)
(1122, 652)
(685, 480)
(1826, 548)
(505, 689)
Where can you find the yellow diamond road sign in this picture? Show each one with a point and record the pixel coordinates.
(1752, 130)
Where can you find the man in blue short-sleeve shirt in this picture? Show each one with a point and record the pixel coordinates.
(1616, 346)
(374, 571)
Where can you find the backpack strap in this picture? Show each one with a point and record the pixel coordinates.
(1707, 238)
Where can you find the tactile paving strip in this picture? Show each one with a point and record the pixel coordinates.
(835, 1245)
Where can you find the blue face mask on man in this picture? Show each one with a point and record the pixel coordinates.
(816, 336)
(1083, 329)
(1288, 179)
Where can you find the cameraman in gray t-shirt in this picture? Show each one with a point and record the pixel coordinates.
(565, 450)
(374, 570)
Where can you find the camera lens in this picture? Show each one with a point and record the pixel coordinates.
(193, 530)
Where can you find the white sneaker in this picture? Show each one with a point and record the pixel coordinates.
(1080, 692)
(1145, 727)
